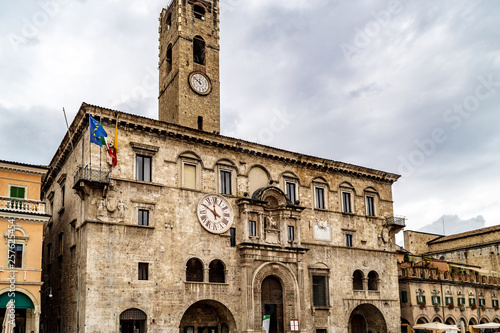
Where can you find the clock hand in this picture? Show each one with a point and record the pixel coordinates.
(213, 211)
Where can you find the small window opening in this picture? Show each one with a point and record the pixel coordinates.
(199, 12)
(199, 50)
(169, 21)
(200, 123)
(169, 58)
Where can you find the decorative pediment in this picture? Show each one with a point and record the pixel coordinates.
(272, 196)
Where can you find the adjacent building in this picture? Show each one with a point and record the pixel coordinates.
(22, 217)
(193, 231)
(453, 279)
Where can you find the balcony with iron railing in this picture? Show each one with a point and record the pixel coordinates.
(89, 174)
(396, 221)
(22, 205)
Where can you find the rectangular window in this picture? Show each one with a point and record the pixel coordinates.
(290, 191)
(252, 229)
(494, 303)
(143, 217)
(294, 325)
(291, 233)
(461, 301)
(348, 240)
(404, 296)
(18, 255)
(482, 302)
(420, 299)
(189, 176)
(225, 182)
(232, 239)
(320, 197)
(346, 202)
(49, 252)
(370, 206)
(321, 330)
(143, 168)
(319, 284)
(63, 194)
(18, 192)
(143, 270)
(449, 300)
(61, 243)
(436, 300)
(472, 301)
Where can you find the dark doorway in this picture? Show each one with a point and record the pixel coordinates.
(358, 324)
(133, 321)
(272, 303)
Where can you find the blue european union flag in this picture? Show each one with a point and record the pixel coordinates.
(96, 131)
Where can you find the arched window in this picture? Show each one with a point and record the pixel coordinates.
(216, 272)
(199, 50)
(372, 280)
(133, 319)
(169, 58)
(199, 12)
(194, 270)
(357, 280)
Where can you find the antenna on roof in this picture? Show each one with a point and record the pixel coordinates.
(444, 233)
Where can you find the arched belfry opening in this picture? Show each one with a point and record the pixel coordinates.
(199, 50)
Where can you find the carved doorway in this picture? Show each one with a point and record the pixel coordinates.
(272, 303)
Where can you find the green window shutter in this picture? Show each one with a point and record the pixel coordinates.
(404, 296)
(17, 192)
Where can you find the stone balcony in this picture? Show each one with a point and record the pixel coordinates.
(22, 206)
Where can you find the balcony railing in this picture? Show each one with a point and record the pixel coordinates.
(21, 205)
(398, 221)
(92, 175)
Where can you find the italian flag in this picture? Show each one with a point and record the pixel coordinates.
(113, 152)
(266, 321)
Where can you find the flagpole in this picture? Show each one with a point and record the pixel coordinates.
(100, 150)
(90, 150)
(70, 136)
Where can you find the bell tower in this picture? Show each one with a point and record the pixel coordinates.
(189, 64)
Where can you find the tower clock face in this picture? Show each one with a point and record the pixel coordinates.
(215, 213)
(200, 83)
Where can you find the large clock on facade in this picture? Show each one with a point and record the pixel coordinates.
(215, 213)
(200, 83)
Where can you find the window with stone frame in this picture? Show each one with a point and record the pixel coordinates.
(320, 190)
(436, 300)
(357, 280)
(143, 271)
(320, 290)
(225, 182)
(169, 58)
(143, 168)
(291, 233)
(370, 205)
(216, 272)
(252, 228)
(373, 281)
(199, 12)
(17, 192)
(199, 50)
(346, 202)
(348, 240)
(16, 254)
(194, 270)
(143, 218)
(291, 189)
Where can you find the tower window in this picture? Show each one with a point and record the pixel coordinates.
(169, 21)
(199, 50)
(200, 123)
(169, 58)
(199, 12)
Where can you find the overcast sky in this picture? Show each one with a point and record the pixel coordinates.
(410, 87)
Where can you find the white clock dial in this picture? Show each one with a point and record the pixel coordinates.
(215, 213)
(199, 83)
